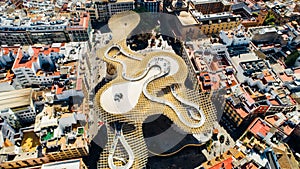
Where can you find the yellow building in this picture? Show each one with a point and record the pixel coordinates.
(226, 160)
(193, 24)
(61, 149)
(214, 23)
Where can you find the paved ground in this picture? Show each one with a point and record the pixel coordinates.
(187, 158)
(162, 136)
(158, 126)
(121, 25)
(217, 147)
(232, 130)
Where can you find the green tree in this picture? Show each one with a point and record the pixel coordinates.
(208, 143)
(222, 139)
(140, 9)
(255, 14)
(270, 20)
(291, 59)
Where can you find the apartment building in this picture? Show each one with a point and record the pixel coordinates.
(64, 137)
(35, 28)
(211, 6)
(31, 62)
(16, 107)
(87, 6)
(16, 29)
(25, 152)
(192, 24)
(235, 37)
(108, 8)
(251, 17)
(283, 12)
(151, 5)
(214, 23)
(79, 27)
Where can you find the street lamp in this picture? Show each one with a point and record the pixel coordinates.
(125, 24)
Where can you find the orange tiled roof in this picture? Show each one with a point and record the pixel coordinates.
(287, 130)
(45, 50)
(269, 78)
(272, 119)
(226, 164)
(258, 126)
(249, 98)
(56, 73)
(285, 78)
(83, 23)
(59, 90)
(241, 112)
(27, 64)
(274, 102)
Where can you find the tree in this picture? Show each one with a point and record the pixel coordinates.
(222, 139)
(270, 19)
(140, 9)
(208, 144)
(227, 141)
(255, 14)
(291, 59)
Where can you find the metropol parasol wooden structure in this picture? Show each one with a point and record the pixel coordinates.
(145, 85)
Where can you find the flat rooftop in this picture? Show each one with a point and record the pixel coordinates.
(259, 127)
(216, 16)
(42, 22)
(15, 98)
(186, 18)
(66, 164)
(196, 2)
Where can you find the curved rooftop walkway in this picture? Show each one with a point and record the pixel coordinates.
(120, 137)
(146, 84)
